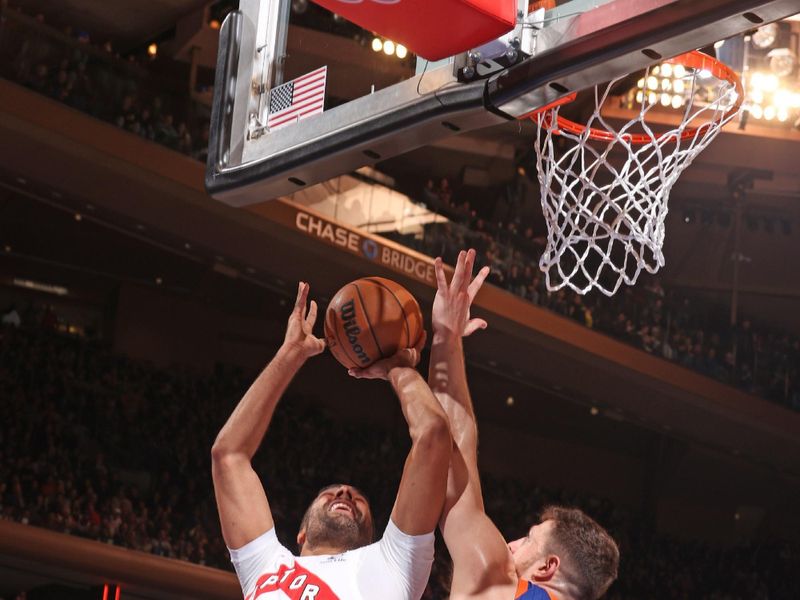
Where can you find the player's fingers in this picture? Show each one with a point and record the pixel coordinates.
(477, 283)
(423, 337)
(474, 325)
(311, 317)
(371, 372)
(409, 357)
(441, 280)
(469, 261)
(359, 373)
(458, 276)
(302, 295)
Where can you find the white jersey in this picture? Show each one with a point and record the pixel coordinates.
(395, 568)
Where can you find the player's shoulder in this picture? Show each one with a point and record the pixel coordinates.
(395, 536)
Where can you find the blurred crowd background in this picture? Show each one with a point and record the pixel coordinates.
(126, 91)
(73, 411)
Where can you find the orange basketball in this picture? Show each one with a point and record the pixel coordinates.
(370, 319)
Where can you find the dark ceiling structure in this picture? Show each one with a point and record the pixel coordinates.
(126, 23)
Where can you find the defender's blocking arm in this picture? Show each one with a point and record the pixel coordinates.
(481, 560)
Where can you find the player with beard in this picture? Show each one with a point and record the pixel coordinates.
(337, 560)
(565, 556)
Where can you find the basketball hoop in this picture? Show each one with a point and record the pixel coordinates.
(605, 214)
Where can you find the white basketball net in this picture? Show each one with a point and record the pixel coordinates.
(605, 214)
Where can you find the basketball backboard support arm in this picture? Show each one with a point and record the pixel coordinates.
(633, 34)
(247, 164)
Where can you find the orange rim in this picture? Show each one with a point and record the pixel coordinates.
(693, 60)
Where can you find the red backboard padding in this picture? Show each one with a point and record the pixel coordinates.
(432, 29)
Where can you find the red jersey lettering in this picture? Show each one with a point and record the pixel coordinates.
(296, 582)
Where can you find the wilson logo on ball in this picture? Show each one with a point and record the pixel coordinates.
(369, 319)
(351, 329)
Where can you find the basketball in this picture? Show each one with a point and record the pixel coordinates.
(370, 319)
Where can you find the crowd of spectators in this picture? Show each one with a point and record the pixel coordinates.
(94, 79)
(73, 412)
(660, 321)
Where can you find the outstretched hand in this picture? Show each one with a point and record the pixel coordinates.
(407, 357)
(450, 314)
(300, 329)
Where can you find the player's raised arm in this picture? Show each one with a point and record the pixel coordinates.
(242, 503)
(447, 374)
(482, 564)
(420, 496)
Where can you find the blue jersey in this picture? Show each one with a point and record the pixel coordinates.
(530, 591)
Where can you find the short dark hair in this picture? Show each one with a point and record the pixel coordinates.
(591, 553)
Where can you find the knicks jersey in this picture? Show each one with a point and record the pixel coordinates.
(530, 591)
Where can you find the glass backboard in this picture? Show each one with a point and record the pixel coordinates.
(303, 95)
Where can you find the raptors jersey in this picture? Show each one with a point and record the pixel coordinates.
(530, 591)
(395, 568)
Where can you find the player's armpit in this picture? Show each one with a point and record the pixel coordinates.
(244, 511)
(482, 564)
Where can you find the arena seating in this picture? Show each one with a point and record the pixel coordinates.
(76, 412)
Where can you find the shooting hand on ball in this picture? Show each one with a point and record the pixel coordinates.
(406, 358)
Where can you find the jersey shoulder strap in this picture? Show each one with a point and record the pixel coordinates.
(530, 591)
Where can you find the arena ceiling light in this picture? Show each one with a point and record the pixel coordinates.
(782, 61)
(765, 36)
(389, 48)
(38, 286)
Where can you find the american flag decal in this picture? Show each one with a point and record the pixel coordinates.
(297, 99)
